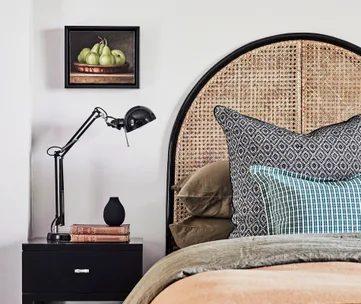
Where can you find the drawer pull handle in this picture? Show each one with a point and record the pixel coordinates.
(81, 270)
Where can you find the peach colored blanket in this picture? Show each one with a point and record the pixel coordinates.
(254, 266)
(324, 282)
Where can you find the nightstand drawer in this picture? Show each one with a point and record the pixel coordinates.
(79, 271)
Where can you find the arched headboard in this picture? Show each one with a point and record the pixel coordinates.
(299, 81)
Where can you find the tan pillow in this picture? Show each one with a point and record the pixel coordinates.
(208, 191)
(194, 230)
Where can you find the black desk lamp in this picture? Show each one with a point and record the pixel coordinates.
(135, 118)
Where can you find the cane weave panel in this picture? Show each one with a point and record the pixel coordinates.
(263, 83)
(331, 84)
(300, 85)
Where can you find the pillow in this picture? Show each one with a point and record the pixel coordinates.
(208, 191)
(194, 230)
(297, 203)
(180, 184)
(331, 151)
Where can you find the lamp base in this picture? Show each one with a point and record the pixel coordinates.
(58, 237)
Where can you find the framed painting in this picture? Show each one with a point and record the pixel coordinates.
(101, 57)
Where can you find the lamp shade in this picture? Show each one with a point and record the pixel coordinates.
(137, 117)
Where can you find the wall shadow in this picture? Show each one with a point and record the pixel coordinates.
(10, 269)
(53, 43)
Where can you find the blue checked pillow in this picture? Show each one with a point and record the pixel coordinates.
(331, 151)
(297, 203)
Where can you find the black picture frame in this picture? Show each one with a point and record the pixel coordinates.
(114, 69)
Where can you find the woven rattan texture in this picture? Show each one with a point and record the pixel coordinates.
(331, 84)
(299, 85)
(263, 83)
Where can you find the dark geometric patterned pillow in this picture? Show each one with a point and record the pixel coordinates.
(330, 151)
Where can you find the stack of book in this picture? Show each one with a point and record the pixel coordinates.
(82, 233)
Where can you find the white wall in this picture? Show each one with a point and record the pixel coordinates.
(15, 132)
(179, 42)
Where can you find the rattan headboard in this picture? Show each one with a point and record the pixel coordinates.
(298, 81)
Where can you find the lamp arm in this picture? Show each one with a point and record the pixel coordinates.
(58, 164)
(85, 126)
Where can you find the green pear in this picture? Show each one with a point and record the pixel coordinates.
(92, 58)
(119, 56)
(106, 50)
(95, 48)
(107, 59)
(82, 54)
(101, 48)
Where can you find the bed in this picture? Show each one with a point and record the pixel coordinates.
(294, 93)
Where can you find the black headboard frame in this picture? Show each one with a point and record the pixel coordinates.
(203, 81)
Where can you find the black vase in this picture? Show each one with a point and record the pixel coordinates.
(114, 213)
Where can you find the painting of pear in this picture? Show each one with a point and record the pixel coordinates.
(100, 53)
(97, 56)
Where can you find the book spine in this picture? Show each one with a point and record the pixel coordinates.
(122, 230)
(76, 238)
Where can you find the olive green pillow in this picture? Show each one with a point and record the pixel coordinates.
(208, 191)
(194, 230)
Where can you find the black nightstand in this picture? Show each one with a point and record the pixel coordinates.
(80, 271)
